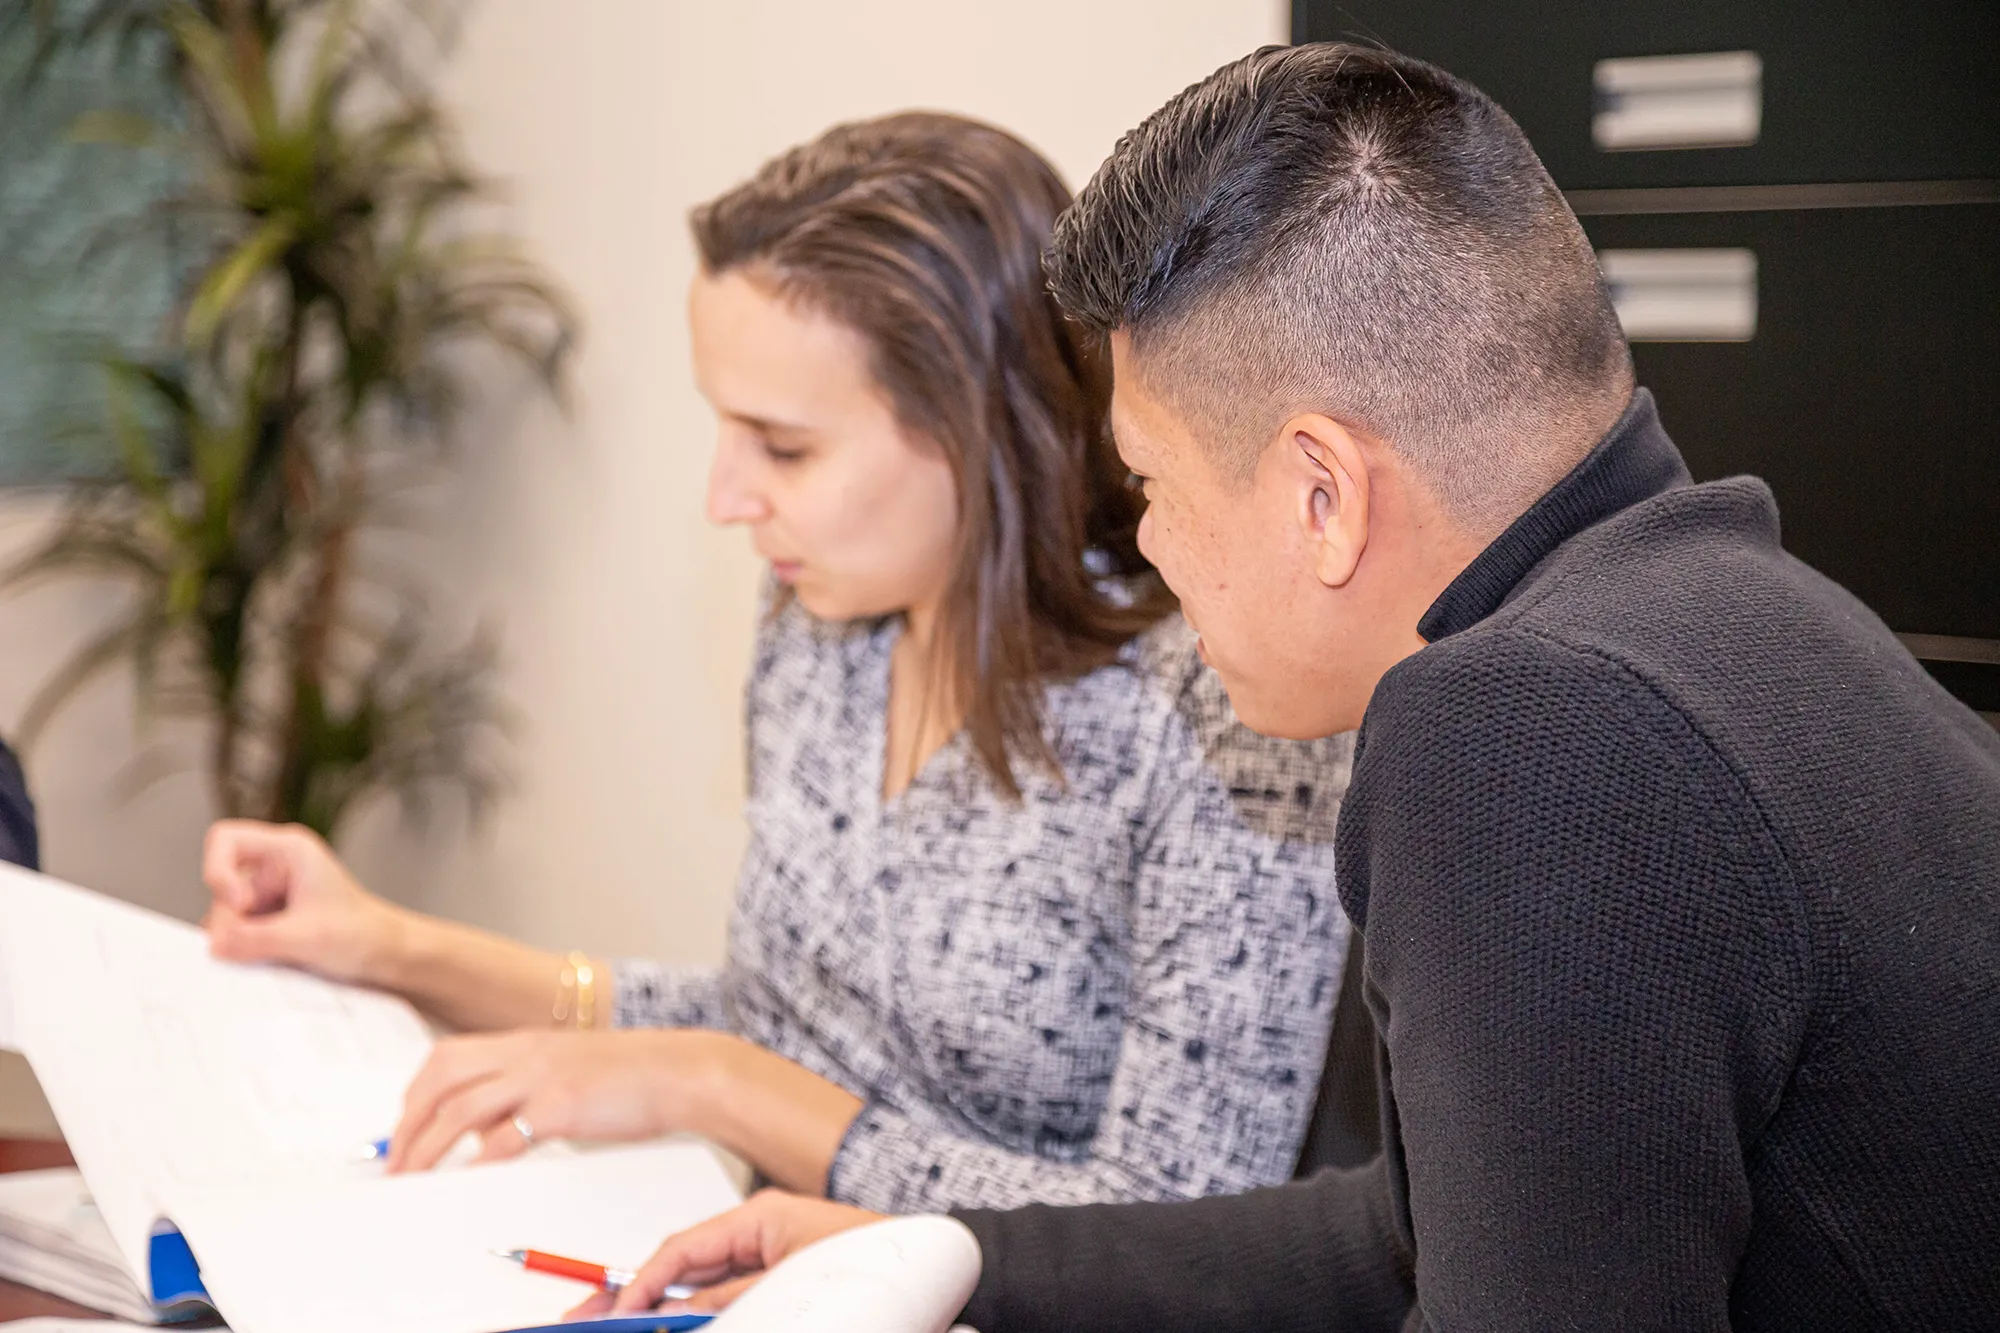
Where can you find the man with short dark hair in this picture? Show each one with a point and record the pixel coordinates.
(1680, 879)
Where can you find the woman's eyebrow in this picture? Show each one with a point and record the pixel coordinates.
(769, 425)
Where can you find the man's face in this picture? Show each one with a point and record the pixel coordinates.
(1240, 555)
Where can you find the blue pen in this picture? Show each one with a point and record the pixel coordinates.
(374, 1152)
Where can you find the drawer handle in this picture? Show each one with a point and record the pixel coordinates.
(1699, 101)
(1707, 296)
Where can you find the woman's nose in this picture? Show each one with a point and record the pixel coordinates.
(733, 496)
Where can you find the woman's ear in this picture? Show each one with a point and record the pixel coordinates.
(1330, 478)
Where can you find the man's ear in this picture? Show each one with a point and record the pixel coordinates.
(1329, 476)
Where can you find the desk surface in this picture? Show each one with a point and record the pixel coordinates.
(18, 1302)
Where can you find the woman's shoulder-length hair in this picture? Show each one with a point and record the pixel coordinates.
(924, 232)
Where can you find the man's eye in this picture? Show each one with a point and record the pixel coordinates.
(1136, 483)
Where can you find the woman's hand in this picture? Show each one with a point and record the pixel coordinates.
(787, 1121)
(602, 1086)
(279, 895)
(728, 1254)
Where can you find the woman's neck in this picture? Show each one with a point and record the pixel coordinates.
(920, 627)
(921, 714)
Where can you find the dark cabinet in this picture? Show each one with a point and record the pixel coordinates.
(1857, 185)
(1850, 91)
(1867, 396)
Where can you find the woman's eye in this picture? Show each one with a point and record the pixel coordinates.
(1136, 483)
(779, 454)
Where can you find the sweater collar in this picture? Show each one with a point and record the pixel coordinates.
(1634, 461)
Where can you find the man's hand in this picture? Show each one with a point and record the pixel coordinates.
(728, 1254)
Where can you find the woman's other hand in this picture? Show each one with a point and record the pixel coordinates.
(280, 895)
(600, 1086)
(728, 1254)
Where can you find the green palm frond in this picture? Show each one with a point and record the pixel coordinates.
(316, 366)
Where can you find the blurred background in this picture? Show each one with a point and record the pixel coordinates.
(623, 620)
(1797, 206)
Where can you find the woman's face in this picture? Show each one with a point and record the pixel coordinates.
(857, 516)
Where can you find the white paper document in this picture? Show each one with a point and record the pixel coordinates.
(53, 1238)
(230, 1101)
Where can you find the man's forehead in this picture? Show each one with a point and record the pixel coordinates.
(1125, 432)
(1135, 417)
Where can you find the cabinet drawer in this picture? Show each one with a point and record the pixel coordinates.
(1849, 91)
(1867, 394)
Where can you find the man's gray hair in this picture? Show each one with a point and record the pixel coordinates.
(1344, 230)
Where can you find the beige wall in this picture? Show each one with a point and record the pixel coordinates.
(627, 619)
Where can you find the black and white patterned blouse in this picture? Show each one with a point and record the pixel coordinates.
(1116, 990)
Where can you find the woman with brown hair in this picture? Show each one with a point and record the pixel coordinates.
(1026, 915)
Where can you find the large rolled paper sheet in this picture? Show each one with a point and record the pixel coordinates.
(905, 1275)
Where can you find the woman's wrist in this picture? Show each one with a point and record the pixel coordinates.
(783, 1119)
(402, 949)
(467, 978)
(703, 1083)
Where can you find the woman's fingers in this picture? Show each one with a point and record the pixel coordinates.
(432, 1117)
(240, 938)
(499, 1141)
(246, 863)
(474, 1108)
(280, 895)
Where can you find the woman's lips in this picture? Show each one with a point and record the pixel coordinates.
(786, 571)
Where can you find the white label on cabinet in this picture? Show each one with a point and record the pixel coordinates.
(1704, 101)
(1683, 295)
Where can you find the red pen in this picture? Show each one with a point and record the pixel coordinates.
(579, 1270)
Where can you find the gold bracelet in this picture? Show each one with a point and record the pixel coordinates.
(565, 993)
(586, 990)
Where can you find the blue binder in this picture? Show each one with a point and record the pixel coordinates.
(629, 1323)
(175, 1277)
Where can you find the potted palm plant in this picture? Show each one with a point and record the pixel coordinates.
(319, 355)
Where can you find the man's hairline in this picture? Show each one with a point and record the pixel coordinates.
(1234, 462)
(1237, 472)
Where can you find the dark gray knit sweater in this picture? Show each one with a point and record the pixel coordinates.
(18, 842)
(1681, 888)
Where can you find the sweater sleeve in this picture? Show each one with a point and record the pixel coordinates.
(1235, 948)
(1315, 1255)
(18, 841)
(647, 994)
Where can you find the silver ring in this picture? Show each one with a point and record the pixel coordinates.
(525, 1130)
